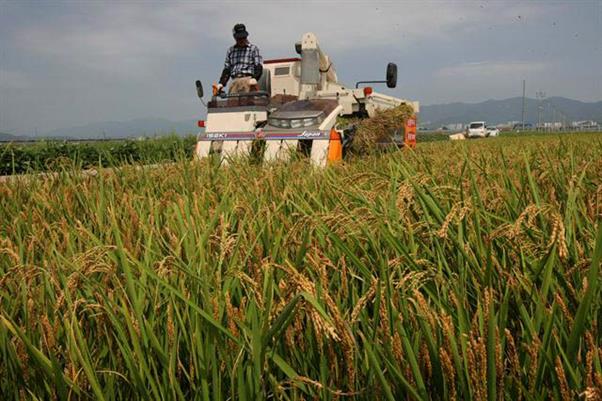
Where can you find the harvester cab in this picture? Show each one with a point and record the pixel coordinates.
(233, 120)
(296, 110)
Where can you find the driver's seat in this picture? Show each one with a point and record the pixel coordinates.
(265, 81)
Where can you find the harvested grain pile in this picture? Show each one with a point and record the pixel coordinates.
(380, 128)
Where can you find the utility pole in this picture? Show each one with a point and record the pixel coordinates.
(523, 118)
(540, 95)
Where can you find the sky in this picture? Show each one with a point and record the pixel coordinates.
(65, 64)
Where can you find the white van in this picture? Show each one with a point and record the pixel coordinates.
(493, 131)
(476, 129)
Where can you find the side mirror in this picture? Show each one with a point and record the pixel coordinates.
(391, 75)
(391, 78)
(298, 48)
(199, 89)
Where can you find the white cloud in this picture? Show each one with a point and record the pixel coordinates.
(10, 79)
(119, 60)
(490, 69)
(128, 39)
(117, 40)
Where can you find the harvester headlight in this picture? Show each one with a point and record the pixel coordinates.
(309, 121)
(278, 122)
(296, 123)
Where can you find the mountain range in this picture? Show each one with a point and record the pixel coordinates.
(140, 127)
(506, 110)
(126, 129)
(4, 137)
(431, 116)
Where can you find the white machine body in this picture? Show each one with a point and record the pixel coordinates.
(312, 76)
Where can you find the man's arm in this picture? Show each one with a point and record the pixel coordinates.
(226, 71)
(258, 61)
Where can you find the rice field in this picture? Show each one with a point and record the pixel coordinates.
(43, 156)
(458, 271)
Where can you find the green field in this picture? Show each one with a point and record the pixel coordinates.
(464, 270)
(19, 158)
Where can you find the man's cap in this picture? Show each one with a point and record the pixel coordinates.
(240, 31)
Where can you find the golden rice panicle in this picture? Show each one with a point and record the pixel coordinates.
(564, 386)
(450, 373)
(404, 274)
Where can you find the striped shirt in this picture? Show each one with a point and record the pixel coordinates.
(242, 60)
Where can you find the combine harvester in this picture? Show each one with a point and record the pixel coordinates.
(296, 109)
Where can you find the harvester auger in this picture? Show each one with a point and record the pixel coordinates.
(295, 110)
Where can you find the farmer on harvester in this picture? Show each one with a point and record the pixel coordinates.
(243, 64)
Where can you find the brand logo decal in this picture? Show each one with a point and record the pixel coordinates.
(216, 135)
(310, 134)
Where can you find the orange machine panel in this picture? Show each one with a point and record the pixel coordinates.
(410, 132)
